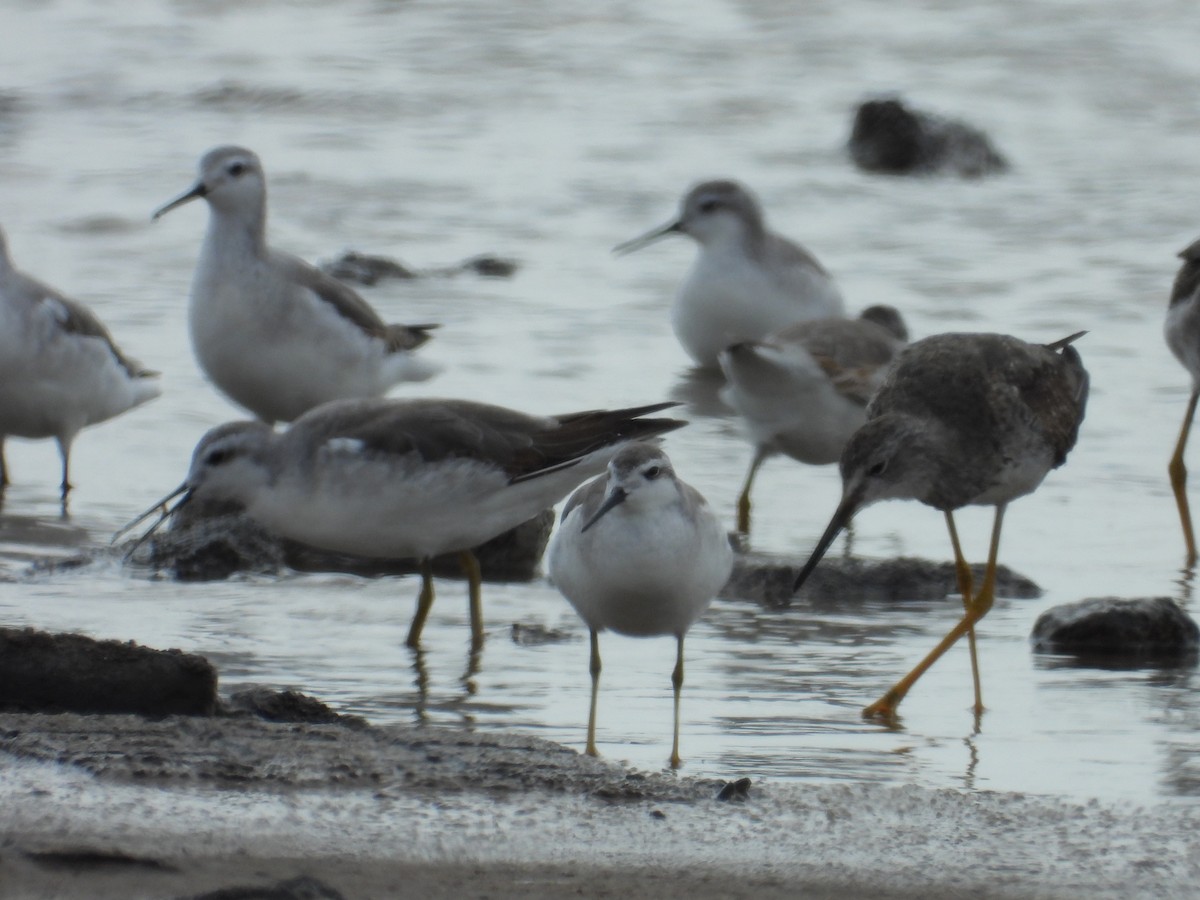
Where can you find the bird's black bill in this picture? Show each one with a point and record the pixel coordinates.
(615, 498)
(165, 511)
(196, 192)
(648, 238)
(841, 518)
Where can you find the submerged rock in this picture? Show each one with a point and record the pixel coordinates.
(43, 672)
(283, 706)
(362, 268)
(889, 137)
(768, 580)
(211, 541)
(304, 887)
(1119, 630)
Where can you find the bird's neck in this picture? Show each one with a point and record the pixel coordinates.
(237, 233)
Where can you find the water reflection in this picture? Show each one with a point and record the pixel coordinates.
(44, 542)
(1185, 582)
(420, 706)
(1156, 664)
(968, 779)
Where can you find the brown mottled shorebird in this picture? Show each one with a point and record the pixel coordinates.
(803, 390)
(961, 419)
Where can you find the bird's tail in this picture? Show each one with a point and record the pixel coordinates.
(407, 337)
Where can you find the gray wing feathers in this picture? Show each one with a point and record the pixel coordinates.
(588, 496)
(523, 446)
(349, 305)
(75, 318)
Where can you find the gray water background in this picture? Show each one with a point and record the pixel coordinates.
(550, 132)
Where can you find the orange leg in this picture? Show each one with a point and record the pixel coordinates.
(963, 571)
(1178, 472)
(885, 706)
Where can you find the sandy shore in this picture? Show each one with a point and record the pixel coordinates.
(119, 806)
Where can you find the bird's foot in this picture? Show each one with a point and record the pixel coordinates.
(884, 708)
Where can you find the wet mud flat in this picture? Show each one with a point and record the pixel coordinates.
(155, 784)
(236, 805)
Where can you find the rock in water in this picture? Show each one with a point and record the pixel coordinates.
(891, 138)
(1119, 630)
(42, 672)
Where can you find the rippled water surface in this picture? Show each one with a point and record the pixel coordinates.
(549, 133)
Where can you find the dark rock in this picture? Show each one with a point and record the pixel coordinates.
(208, 542)
(284, 706)
(533, 634)
(88, 859)
(42, 672)
(361, 268)
(302, 888)
(490, 266)
(1119, 631)
(738, 791)
(82, 859)
(769, 580)
(889, 137)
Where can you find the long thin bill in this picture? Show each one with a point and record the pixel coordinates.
(163, 508)
(841, 518)
(648, 238)
(615, 498)
(195, 193)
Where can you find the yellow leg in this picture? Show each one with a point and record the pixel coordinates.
(1178, 473)
(743, 506)
(963, 571)
(885, 706)
(594, 668)
(677, 683)
(470, 567)
(424, 603)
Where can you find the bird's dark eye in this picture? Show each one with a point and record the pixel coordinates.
(877, 469)
(707, 206)
(236, 169)
(217, 457)
(652, 473)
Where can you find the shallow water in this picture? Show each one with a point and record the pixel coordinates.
(550, 132)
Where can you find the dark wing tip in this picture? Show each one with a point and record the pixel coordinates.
(407, 337)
